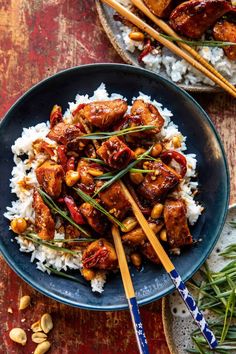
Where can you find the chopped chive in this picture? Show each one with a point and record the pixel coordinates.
(65, 275)
(98, 161)
(106, 135)
(207, 43)
(40, 242)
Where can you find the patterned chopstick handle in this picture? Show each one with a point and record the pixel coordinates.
(193, 308)
(138, 327)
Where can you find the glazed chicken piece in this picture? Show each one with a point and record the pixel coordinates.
(157, 184)
(44, 223)
(192, 18)
(100, 254)
(161, 8)
(115, 201)
(103, 114)
(143, 113)
(86, 179)
(50, 177)
(42, 147)
(57, 133)
(137, 236)
(115, 153)
(69, 135)
(175, 218)
(93, 217)
(148, 251)
(226, 31)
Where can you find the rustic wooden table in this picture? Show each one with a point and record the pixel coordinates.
(37, 39)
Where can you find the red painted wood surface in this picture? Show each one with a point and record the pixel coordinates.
(37, 39)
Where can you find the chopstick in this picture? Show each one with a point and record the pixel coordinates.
(129, 292)
(126, 278)
(174, 275)
(171, 46)
(167, 29)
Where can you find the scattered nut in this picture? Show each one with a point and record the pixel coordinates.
(18, 335)
(24, 302)
(9, 310)
(136, 178)
(36, 327)
(147, 165)
(136, 36)
(163, 235)
(38, 337)
(157, 211)
(18, 225)
(46, 323)
(129, 224)
(156, 150)
(42, 347)
(176, 142)
(94, 172)
(139, 151)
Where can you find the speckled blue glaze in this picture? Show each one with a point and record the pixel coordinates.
(152, 283)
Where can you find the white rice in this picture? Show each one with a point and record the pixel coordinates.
(162, 61)
(24, 168)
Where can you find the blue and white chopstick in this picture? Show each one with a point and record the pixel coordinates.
(174, 275)
(130, 294)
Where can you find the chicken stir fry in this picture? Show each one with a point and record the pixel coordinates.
(193, 20)
(79, 191)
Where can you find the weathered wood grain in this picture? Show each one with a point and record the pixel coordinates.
(37, 39)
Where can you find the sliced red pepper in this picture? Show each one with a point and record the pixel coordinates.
(74, 210)
(80, 126)
(61, 151)
(55, 116)
(121, 156)
(70, 165)
(169, 155)
(146, 50)
(100, 255)
(80, 106)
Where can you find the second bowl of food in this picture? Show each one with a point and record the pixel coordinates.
(63, 162)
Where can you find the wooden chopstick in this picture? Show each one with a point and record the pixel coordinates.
(129, 292)
(174, 275)
(167, 29)
(171, 46)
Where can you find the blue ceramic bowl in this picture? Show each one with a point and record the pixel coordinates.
(152, 283)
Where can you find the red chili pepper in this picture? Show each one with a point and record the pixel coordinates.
(70, 164)
(80, 106)
(147, 49)
(94, 259)
(74, 210)
(80, 126)
(118, 158)
(168, 155)
(61, 151)
(55, 116)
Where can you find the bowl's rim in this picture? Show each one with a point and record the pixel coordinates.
(133, 69)
(166, 315)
